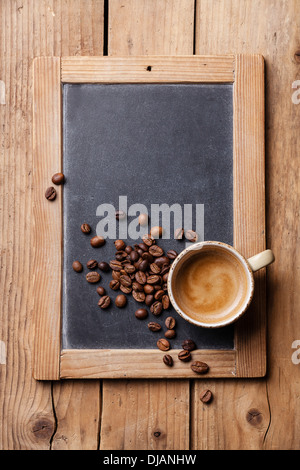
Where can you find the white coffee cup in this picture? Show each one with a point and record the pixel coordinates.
(206, 274)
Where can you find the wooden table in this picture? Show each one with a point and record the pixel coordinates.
(149, 414)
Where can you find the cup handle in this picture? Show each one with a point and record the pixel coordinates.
(261, 260)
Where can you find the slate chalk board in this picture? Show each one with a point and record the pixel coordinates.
(154, 143)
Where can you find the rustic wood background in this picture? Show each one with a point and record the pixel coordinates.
(148, 414)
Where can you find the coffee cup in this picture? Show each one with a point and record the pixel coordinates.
(211, 284)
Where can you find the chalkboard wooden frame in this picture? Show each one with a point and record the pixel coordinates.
(246, 72)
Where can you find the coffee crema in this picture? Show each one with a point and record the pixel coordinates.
(210, 286)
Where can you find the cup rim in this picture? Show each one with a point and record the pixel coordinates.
(196, 247)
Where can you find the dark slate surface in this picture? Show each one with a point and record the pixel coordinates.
(154, 144)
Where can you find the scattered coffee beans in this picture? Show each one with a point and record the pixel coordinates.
(206, 396)
(101, 290)
(199, 367)
(170, 334)
(104, 301)
(156, 232)
(188, 344)
(77, 266)
(58, 178)
(184, 356)
(153, 326)
(143, 219)
(92, 264)
(50, 193)
(121, 300)
(191, 235)
(120, 245)
(97, 241)
(163, 344)
(170, 323)
(103, 266)
(85, 228)
(141, 313)
(93, 277)
(168, 360)
(178, 234)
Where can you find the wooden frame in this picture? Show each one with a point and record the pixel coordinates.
(246, 72)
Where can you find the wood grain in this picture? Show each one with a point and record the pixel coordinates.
(47, 160)
(139, 21)
(249, 204)
(148, 69)
(269, 28)
(29, 29)
(138, 363)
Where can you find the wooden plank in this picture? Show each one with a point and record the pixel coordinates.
(249, 205)
(143, 27)
(137, 363)
(149, 69)
(269, 28)
(29, 29)
(144, 414)
(177, 21)
(47, 160)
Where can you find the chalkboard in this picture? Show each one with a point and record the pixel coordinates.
(168, 143)
(183, 131)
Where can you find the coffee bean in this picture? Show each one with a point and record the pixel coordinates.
(149, 299)
(153, 279)
(170, 334)
(156, 232)
(199, 367)
(104, 301)
(58, 178)
(159, 294)
(100, 290)
(77, 266)
(50, 193)
(148, 289)
(206, 396)
(156, 308)
(116, 275)
(138, 296)
(141, 313)
(120, 215)
(128, 249)
(188, 344)
(162, 261)
(115, 265)
(125, 289)
(143, 265)
(168, 360)
(155, 268)
(137, 286)
(140, 277)
(153, 326)
(165, 277)
(148, 239)
(120, 245)
(125, 280)
(121, 255)
(92, 264)
(165, 269)
(143, 219)
(170, 323)
(85, 228)
(97, 241)
(184, 355)
(191, 235)
(134, 256)
(165, 302)
(93, 277)
(114, 285)
(178, 234)
(163, 344)
(156, 251)
(129, 268)
(103, 266)
(172, 254)
(121, 300)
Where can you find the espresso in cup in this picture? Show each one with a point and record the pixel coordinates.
(211, 284)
